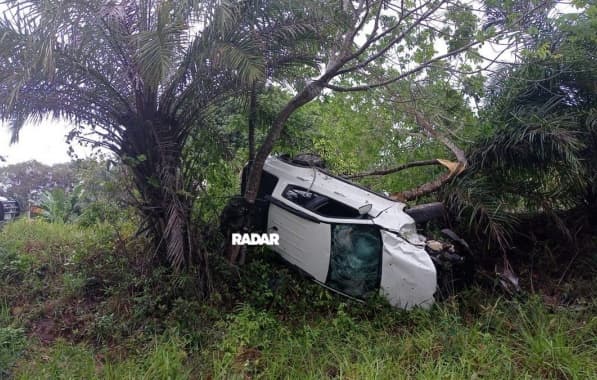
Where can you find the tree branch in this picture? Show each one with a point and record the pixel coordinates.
(454, 168)
(310, 92)
(394, 41)
(405, 74)
(396, 169)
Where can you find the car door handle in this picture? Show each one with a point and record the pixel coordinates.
(274, 229)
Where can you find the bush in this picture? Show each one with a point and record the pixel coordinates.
(268, 283)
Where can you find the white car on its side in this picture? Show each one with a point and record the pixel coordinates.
(345, 237)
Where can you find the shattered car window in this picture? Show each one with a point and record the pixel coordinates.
(355, 263)
(319, 204)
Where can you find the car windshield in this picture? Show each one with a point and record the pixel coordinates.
(355, 260)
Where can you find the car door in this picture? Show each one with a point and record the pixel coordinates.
(304, 241)
(306, 221)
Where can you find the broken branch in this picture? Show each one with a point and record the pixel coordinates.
(382, 172)
(454, 168)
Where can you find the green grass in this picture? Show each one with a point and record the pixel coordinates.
(507, 340)
(134, 324)
(12, 340)
(12, 344)
(164, 359)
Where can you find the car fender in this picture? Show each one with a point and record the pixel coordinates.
(408, 276)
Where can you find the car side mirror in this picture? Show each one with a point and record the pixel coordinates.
(364, 210)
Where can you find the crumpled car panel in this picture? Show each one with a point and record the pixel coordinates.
(408, 276)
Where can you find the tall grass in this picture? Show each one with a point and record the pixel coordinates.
(57, 242)
(505, 340)
(12, 340)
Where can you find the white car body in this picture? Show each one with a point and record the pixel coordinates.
(333, 246)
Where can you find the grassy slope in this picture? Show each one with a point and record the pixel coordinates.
(81, 303)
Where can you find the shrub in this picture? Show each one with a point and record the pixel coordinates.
(267, 282)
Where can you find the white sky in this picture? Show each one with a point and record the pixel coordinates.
(44, 142)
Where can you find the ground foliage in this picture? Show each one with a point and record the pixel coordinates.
(85, 302)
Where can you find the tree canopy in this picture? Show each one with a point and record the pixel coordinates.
(152, 82)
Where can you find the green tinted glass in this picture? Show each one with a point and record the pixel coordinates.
(356, 259)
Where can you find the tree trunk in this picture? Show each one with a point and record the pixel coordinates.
(155, 161)
(426, 212)
(309, 93)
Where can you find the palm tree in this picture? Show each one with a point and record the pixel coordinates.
(136, 77)
(541, 156)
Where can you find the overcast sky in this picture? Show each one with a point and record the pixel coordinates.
(45, 142)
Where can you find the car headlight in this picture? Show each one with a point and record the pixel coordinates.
(409, 232)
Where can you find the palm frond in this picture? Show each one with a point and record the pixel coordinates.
(136, 77)
(159, 49)
(475, 203)
(540, 156)
(15, 128)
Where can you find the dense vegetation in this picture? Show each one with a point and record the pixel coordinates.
(89, 289)
(82, 302)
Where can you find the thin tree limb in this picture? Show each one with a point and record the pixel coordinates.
(454, 168)
(405, 74)
(382, 172)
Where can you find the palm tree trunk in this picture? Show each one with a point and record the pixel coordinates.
(155, 161)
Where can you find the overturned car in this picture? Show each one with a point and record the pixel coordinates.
(347, 238)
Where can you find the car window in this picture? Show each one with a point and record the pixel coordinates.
(319, 204)
(266, 186)
(355, 261)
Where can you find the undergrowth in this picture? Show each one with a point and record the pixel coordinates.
(84, 303)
